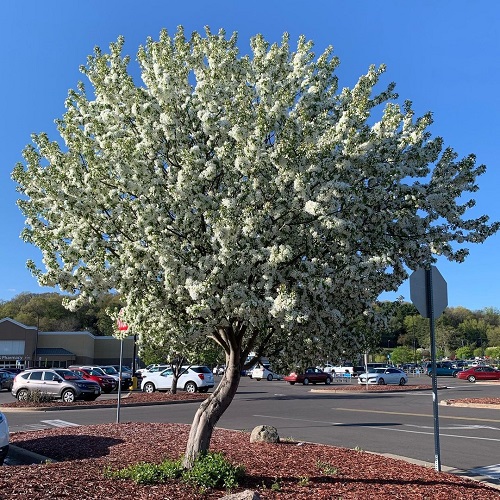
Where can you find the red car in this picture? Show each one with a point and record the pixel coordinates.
(479, 373)
(106, 382)
(310, 376)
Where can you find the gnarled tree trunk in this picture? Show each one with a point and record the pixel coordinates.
(211, 410)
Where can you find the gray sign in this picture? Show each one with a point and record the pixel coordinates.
(426, 289)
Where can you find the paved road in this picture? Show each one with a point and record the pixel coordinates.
(393, 423)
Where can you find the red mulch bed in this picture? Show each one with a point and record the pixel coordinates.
(297, 469)
(126, 399)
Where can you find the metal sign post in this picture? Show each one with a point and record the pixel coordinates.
(118, 403)
(435, 406)
(428, 293)
(122, 327)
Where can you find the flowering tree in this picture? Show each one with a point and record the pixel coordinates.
(241, 198)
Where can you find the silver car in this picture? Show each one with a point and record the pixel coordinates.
(383, 376)
(57, 383)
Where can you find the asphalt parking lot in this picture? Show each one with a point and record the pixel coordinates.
(396, 423)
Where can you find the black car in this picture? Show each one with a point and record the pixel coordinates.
(6, 380)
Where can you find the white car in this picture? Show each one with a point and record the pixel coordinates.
(152, 368)
(194, 378)
(262, 372)
(219, 370)
(4, 437)
(382, 376)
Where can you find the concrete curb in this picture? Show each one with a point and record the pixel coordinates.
(469, 405)
(27, 457)
(444, 468)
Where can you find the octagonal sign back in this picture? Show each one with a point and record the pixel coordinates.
(421, 288)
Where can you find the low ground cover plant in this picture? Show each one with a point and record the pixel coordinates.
(210, 470)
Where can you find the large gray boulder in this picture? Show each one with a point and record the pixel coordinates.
(264, 434)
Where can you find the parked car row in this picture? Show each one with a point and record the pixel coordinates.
(106, 382)
(102, 375)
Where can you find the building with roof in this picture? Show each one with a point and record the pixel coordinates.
(25, 346)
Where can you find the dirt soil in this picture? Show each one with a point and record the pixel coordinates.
(287, 470)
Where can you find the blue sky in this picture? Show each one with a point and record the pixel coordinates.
(443, 56)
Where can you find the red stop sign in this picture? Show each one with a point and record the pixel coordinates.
(122, 326)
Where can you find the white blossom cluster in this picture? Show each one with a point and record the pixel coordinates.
(244, 198)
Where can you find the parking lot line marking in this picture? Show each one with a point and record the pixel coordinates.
(59, 423)
(459, 436)
(492, 471)
(456, 427)
(29, 427)
(300, 420)
(390, 429)
(418, 414)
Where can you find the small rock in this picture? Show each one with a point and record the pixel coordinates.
(264, 434)
(243, 495)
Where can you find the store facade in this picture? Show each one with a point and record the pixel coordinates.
(23, 346)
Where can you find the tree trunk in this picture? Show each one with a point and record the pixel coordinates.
(209, 412)
(177, 363)
(173, 387)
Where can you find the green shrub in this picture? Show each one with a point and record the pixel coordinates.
(38, 396)
(326, 468)
(211, 470)
(276, 486)
(148, 473)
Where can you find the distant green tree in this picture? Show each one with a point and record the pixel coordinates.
(44, 310)
(456, 315)
(493, 336)
(474, 330)
(401, 355)
(492, 352)
(464, 352)
(491, 315)
(396, 314)
(478, 352)
(380, 358)
(417, 331)
(153, 354)
(445, 338)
